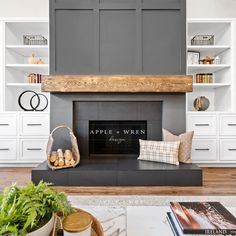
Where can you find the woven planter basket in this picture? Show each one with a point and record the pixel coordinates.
(74, 147)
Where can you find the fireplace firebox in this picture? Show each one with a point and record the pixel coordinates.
(113, 128)
(116, 137)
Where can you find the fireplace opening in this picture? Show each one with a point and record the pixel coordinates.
(114, 137)
(112, 129)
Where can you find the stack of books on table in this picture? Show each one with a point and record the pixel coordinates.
(200, 218)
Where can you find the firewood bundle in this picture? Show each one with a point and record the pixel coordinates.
(60, 158)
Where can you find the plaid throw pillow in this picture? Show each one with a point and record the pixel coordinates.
(159, 151)
(185, 147)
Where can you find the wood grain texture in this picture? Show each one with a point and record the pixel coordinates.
(118, 83)
(216, 181)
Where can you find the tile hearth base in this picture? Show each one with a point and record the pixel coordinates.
(120, 172)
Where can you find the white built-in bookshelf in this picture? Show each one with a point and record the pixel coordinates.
(211, 145)
(23, 134)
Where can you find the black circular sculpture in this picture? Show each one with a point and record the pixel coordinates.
(35, 101)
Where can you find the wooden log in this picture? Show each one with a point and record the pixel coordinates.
(118, 83)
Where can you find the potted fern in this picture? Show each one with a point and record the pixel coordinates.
(30, 210)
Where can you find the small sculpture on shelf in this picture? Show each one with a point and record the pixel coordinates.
(201, 103)
(33, 60)
(40, 61)
(207, 60)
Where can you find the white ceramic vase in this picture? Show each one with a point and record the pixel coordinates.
(45, 230)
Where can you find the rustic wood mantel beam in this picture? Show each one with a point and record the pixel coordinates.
(117, 83)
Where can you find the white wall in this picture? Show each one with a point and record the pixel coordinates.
(24, 8)
(195, 8)
(211, 8)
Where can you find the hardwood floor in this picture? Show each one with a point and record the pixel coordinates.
(216, 181)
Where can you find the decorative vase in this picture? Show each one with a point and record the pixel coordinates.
(44, 230)
(201, 103)
(32, 59)
(40, 61)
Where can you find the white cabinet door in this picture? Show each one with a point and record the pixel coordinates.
(34, 124)
(228, 125)
(33, 149)
(8, 124)
(228, 150)
(204, 150)
(8, 150)
(202, 125)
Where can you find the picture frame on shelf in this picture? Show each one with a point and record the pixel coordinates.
(193, 58)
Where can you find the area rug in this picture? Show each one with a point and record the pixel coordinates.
(111, 211)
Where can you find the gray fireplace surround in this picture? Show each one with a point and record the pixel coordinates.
(115, 171)
(76, 109)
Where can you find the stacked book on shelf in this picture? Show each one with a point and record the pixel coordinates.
(204, 78)
(200, 218)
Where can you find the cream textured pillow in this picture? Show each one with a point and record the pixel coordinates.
(185, 144)
(159, 151)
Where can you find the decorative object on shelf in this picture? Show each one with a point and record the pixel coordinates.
(34, 78)
(43, 102)
(40, 61)
(201, 103)
(34, 40)
(217, 60)
(207, 60)
(35, 101)
(193, 58)
(202, 40)
(204, 78)
(32, 59)
(70, 158)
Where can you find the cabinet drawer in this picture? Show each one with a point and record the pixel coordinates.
(33, 149)
(8, 125)
(227, 125)
(34, 125)
(204, 150)
(202, 125)
(228, 149)
(8, 149)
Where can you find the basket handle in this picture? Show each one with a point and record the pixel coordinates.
(60, 127)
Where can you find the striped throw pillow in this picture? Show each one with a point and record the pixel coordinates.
(159, 151)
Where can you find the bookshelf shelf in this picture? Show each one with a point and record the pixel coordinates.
(210, 85)
(27, 50)
(213, 49)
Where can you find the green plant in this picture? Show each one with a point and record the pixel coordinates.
(23, 210)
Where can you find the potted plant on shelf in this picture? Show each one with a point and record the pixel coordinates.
(30, 210)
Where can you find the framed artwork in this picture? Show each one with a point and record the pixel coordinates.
(193, 58)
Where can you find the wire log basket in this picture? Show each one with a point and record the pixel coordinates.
(74, 148)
